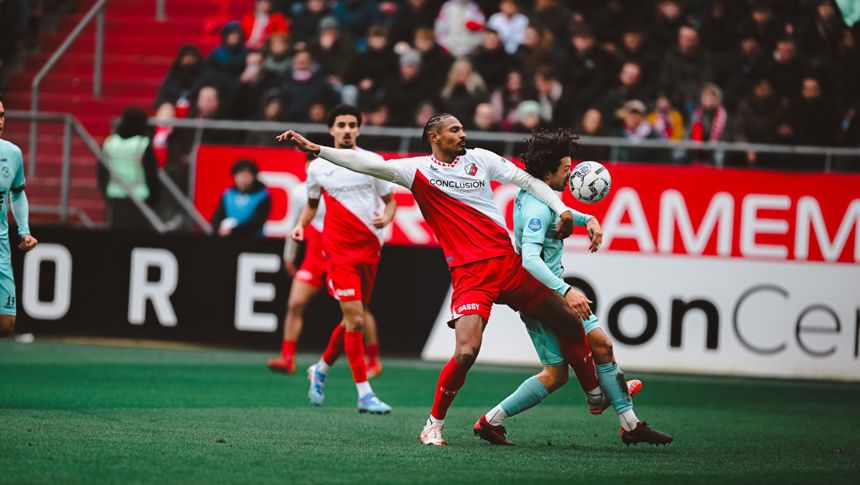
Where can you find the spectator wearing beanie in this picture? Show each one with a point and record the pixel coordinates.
(227, 61)
(709, 121)
(182, 78)
(334, 53)
(408, 89)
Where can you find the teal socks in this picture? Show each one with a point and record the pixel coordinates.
(614, 386)
(530, 393)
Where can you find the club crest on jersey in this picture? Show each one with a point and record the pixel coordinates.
(535, 224)
(5, 171)
(471, 169)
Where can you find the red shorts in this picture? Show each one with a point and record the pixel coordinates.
(351, 282)
(312, 270)
(496, 280)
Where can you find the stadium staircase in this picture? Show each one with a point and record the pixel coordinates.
(138, 52)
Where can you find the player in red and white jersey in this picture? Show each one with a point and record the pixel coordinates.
(358, 207)
(452, 188)
(308, 279)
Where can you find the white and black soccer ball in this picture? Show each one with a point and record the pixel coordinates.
(590, 182)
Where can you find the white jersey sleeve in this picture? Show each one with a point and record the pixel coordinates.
(375, 166)
(501, 170)
(381, 187)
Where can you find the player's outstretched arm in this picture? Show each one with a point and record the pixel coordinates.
(21, 211)
(350, 159)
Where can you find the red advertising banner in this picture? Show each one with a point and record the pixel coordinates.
(661, 209)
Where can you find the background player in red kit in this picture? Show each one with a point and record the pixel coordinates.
(358, 207)
(308, 280)
(452, 188)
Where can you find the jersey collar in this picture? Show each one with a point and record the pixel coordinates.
(443, 164)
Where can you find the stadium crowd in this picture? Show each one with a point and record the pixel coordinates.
(755, 71)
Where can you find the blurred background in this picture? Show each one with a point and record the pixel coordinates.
(730, 129)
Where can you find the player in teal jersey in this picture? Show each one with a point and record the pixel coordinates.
(548, 158)
(11, 183)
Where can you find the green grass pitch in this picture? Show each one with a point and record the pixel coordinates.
(74, 413)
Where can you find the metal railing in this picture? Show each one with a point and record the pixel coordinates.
(72, 126)
(97, 12)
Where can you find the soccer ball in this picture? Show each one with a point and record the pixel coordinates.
(590, 182)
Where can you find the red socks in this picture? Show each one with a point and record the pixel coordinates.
(577, 352)
(288, 349)
(353, 344)
(372, 352)
(451, 379)
(335, 346)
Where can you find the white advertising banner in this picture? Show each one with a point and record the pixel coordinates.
(701, 315)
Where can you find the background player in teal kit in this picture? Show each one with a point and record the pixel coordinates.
(11, 187)
(548, 158)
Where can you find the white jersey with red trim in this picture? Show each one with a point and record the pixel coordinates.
(457, 202)
(352, 201)
(456, 199)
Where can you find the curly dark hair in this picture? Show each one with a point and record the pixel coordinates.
(343, 110)
(545, 150)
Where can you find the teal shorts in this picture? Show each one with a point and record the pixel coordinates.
(545, 342)
(7, 289)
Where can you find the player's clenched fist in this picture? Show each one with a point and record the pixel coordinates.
(27, 243)
(298, 233)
